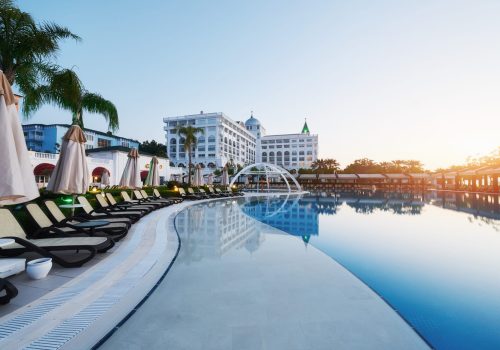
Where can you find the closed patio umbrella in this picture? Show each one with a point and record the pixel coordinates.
(17, 181)
(225, 176)
(199, 175)
(71, 174)
(210, 179)
(153, 178)
(105, 178)
(195, 178)
(131, 177)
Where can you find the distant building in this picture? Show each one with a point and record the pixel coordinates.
(223, 141)
(290, 151)
(254, 126)
(110, 159)
(47, 138)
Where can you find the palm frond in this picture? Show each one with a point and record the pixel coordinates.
(95, 103)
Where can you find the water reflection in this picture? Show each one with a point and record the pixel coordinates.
(432, 255)
(296, 216)
(211, 230)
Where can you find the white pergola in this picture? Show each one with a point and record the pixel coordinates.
(268, 170)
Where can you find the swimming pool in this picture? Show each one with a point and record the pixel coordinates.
(434, 257)
(238, 283)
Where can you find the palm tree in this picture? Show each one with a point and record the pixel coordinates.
(188, 133)
(27, 48)
(65, 90)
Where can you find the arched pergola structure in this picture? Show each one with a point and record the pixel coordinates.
(267, 170)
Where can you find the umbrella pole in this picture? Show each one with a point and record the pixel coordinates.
(73, 204)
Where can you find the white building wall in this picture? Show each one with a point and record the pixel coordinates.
(113, 161)
(223, 140)
(291, 151)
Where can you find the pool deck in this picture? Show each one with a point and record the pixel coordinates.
(75, 308)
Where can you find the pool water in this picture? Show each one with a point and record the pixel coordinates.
(434, 257)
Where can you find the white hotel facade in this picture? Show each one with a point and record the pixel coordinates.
(222, 141)
(227, 141)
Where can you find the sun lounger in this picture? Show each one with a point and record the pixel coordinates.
(112, 204)
(114, 230)
(7, 291)
(145, 200)
(199, 195)
(224, 194)
(157, 195)
(46, 247)
(185, 195)
(204, 193)
(237, 193)
(158, 199)
(213, 193)
(59, 217)
(103, 214)
(137, 202)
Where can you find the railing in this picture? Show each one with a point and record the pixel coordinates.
(42, 155)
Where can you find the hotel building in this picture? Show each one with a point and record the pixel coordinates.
(47, 138)
(227, 141)
(223, 141)
(290, 151)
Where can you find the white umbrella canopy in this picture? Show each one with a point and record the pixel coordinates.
(195, 180)
(17, 181)
(199, 175)
(131, 177)
(71, 174)
(225, 176)
(153, 178)
(105, 178)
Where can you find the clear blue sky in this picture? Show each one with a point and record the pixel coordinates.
(380, 79)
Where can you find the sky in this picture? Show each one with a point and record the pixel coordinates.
(414, 79)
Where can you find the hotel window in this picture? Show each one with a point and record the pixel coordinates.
(211, 138)
(103, 143)
(201, 148)
(211, 148)
(279, 146)
(264, 147)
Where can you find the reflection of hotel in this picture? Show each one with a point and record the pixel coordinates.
(217, 228)
(293, 218)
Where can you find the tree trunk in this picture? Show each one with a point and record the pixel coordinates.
(11, 75)
(189, 166)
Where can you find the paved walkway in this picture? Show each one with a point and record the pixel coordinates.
(75, 308)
